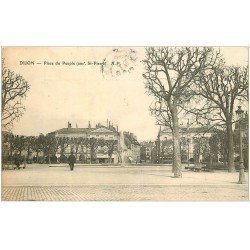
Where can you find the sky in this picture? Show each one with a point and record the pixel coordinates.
(81, 93)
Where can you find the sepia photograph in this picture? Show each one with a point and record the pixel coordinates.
(125, 123)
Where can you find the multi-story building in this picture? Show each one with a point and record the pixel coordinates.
(148, 151)
(130, 148)
(105, 133)
(124, 145)
(193, 142)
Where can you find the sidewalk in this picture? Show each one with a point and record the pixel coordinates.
(43, 175)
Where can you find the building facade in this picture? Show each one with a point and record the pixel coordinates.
(99, 144)
(194, 143)
(129, 147)
(90, 145)
(148, 152)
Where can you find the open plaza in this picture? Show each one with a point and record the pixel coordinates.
(43, 182)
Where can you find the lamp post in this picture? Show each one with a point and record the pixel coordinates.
(239, 113)
(188, 141)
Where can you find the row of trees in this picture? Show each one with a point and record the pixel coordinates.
(49, 146)
(194, 81)
(213, 149)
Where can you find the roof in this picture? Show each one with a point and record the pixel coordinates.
(103, 130)
(72, 131)
(130, 139)
(147, 143)
(83, 130)
(194, 130)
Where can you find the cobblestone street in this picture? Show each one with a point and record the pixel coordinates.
(95, 183)
(124, 192)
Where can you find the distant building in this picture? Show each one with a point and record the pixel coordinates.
(107, 133)
(99, 132)
(130, 148)
(127, 151)
(147, 152)
(193, 141)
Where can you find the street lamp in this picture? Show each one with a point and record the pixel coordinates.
(188, 153)
(239, 113)
(188, 141)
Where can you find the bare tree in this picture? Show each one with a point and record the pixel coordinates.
(220, 90)
(93, 144)
(112, 146)
(19, 144)
(77, 142)
(119, 61)
(56, 145)
(29, 141)
(36, 146)
(51, 146)
(169, 72)
(218, 146)
(14, 89)
(201, 148)
(64, 142)
(8, 138)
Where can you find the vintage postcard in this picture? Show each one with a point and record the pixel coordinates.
(124, 124)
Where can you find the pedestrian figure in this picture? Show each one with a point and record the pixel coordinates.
(17, 161)
(72, 160)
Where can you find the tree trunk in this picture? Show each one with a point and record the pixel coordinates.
(91, 156)
(49, 158)
(197, 160)
(37, 156)
(176, 145)
(230, 156)
(28, 153)
(110, 157)
(76, 153)
(11, 151)
(159, 150)
(43, 157)
(210, 160)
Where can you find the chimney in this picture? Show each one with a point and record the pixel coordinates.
(69, 125)
(89, 125)
(117, 128)
(109, 124)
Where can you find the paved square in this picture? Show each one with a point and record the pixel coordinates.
(44, 183)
